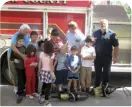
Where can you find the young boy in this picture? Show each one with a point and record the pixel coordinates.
(19, 65)
(87, 56)
(34, 38)
(73, 65)
(61, 69)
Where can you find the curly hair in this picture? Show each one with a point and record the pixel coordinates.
(30, 48)
(48, 48)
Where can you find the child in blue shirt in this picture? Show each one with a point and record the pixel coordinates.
(61, 69)
(73, 65)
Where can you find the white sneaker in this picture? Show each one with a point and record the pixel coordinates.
(30, 97)
(36, 95)
(49, 104)
(15, 90)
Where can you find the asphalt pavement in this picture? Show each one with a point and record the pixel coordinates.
(118, 98)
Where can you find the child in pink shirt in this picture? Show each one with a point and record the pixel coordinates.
(46, 69)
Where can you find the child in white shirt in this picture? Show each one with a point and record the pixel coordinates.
(87, 56)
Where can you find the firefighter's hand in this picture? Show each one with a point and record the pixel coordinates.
(114, 60)
(24, 57)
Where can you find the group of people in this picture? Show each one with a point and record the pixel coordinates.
(41, 65)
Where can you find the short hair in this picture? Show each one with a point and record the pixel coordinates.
(48, 48)
(88, 39)
(55, 32)
(24, 26)
(33, 33)
(73, 48)
(19, 36)
(30, 48)
(72, 24)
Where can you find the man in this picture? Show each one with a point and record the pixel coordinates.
(24, 29)
(74, 36)
(106, 47)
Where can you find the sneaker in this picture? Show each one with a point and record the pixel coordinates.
(41, 100)
(30, 96)
(36, 94)
(19, 99)
(15, 90)
(49, 104)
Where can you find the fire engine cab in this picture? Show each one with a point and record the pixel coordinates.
(40, 15)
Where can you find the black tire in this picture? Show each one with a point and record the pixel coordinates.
(5, 74)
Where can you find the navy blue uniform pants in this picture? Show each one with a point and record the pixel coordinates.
(102, 67)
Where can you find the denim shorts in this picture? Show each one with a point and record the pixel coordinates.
(61, 77)
(73, 75)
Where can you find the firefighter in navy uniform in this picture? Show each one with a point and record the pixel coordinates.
(106, 47)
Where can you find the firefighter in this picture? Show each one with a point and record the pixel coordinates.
(106, 47)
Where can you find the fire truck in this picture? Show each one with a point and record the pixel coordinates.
(40, 15)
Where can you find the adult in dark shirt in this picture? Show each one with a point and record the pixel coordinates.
(106, 47)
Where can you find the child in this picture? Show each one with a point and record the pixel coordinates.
(73, 64)
(30, 65)
(88, 56)
(40, 49)
(34, 38)
(61, 73)
(19, 65)
(46, 69)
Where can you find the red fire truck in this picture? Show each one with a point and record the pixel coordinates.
(40, 15)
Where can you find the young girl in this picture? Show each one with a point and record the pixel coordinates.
(30, 65)
(46, 69)
(73, 65)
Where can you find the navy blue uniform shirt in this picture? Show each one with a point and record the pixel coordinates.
(104, 42)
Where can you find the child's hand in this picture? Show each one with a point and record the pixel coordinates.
(76, 71)
(16, 61)
(32, 64)
(35, 64)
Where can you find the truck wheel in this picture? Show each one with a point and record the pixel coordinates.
(5, 70)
